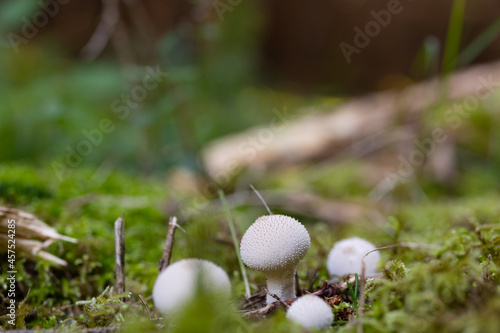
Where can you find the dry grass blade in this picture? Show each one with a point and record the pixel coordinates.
(28, 225)
(32, 235)
(32, 249)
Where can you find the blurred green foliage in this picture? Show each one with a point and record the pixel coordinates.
(48, 98)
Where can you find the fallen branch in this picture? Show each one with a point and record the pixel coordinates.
(321, 135)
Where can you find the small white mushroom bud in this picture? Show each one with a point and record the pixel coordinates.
(346, 255)
(274, 245)
(177, 284)
(311, 312)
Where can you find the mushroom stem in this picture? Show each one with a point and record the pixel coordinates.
(282, 286)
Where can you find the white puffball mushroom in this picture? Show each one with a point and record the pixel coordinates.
(176, 285)
(346, 255)
(311, 311)
(274, 245)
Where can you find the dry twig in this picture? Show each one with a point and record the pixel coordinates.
(169, 243)
(277, 298)
(327, 290)
(120, 255)
(146, 307)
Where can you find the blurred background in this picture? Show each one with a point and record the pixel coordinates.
(368, 115)
(66, 65)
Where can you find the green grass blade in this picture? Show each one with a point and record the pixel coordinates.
(353, 295)
(479, 44)
(356, 285)
(235, 241)
(426, 63)
(454, 37)
(315, 277)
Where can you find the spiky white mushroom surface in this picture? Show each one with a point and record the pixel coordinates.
(346, 255)
(311, 312)
(274, 244)
(177, 284)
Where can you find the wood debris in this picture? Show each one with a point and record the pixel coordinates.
(326, 291)
(320, 136)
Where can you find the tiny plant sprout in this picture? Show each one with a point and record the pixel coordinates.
(177, 284)
(311, 312)
(274, 245)
(346, 257)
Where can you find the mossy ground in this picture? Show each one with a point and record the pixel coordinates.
(451, 286)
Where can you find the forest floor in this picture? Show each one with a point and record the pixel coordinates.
(439, 272)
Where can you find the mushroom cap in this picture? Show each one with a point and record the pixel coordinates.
(311, 311)
(274, 244)
(177, 284)
(346, 255)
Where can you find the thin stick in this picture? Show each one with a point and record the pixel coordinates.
(277, 298)
(146, 306)
(169, 244)
(261, 199)
(235, 242)
(120, 254)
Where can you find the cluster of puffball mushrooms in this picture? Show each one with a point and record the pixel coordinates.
(273, 245)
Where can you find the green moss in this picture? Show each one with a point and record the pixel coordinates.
(104, 310)
(21, 185)
(445, 279)
(395, 270)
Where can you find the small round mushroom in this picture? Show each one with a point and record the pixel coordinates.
(177, 284)
(274, 245)
(346, 255)
(311, 312)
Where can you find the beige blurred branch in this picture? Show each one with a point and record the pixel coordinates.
(105, 29)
